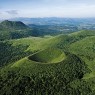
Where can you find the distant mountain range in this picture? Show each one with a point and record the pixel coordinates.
(79, 23)
(55, 20)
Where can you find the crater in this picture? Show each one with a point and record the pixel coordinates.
(50, 55)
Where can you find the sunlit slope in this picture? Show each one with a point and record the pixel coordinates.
(38, 43)
(35, 44)
(60, 41)
(84, 33)
(86, 50)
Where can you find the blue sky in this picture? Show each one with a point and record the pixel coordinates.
(47, 8)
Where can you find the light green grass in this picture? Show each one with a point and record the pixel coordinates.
(50, 55)
(47, 56)
(37, 43)
(85, 49)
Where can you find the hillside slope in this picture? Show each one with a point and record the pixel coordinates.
(14, 30)
(34, 44)
(58, 65)
(13, 24)
(34, 78)
(86, 50)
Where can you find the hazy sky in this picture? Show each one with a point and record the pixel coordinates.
(47, 8)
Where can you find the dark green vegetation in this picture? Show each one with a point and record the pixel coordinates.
(53, 29)
(11, 53)
(50, 65)
(30, 78)
(14, 30)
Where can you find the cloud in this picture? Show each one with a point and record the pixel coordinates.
(6, 14)
(12, 12)
(47, 8)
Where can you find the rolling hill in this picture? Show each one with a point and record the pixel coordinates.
(50, 65)
(14, 30)
(13, 25)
